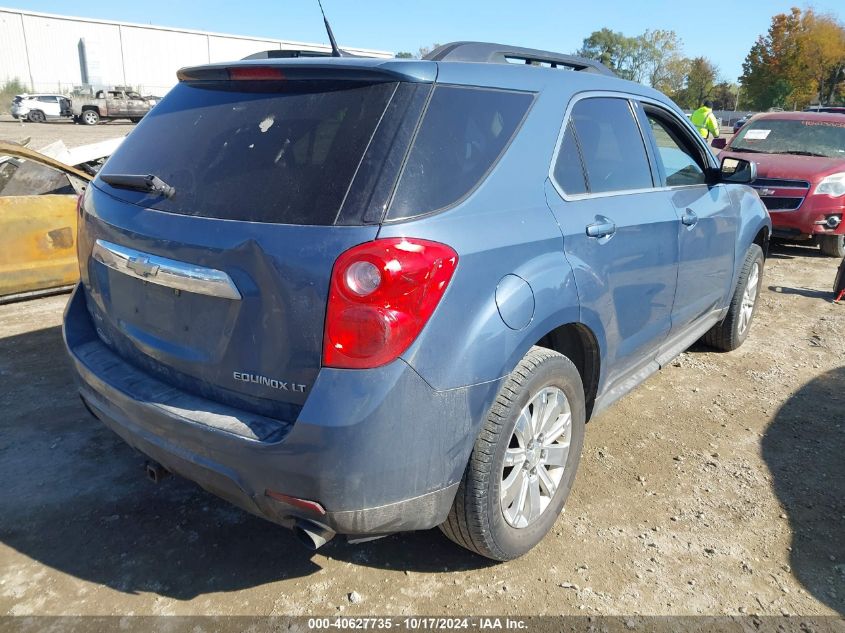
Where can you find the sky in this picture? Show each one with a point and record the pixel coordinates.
(406, 26)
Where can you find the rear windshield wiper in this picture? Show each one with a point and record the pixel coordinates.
(138, 182)
(801, 152)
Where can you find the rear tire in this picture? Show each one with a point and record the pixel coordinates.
(90, 117)
(733, 330)
(36, 116)
(522, 467)
(832, 245)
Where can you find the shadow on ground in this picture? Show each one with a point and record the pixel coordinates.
(809, 293)
(786, 250)
(75, 499)
(806, 456)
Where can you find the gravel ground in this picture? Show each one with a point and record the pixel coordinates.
(717, 487)
(41, 134)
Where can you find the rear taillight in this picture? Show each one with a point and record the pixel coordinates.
(381, 296)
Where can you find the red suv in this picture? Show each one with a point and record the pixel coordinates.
(800, 160)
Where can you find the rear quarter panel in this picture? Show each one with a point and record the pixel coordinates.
(504, 227)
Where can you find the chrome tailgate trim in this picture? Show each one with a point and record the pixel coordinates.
(164, 271)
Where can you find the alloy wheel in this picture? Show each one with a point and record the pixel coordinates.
(535, 460)
(749, 298)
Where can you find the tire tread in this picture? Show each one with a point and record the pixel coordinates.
(723, 336)
(468, 523)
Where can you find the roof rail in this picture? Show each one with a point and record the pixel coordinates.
(489, 53)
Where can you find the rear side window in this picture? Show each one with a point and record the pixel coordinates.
(462, 135)
(569, 171)
(280, 152)
(611, 145)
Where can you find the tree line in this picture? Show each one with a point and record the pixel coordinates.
(800, 61)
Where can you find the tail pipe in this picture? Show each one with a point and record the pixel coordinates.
(155, 472)
(312, 535)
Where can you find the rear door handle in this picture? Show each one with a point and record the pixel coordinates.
(689, 218)
(603, 228)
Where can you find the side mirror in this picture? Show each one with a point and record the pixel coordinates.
(719, 143)
(737, 170)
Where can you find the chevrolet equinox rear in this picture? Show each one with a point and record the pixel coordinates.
(359, 296)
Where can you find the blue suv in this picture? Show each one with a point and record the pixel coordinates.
(358, 296)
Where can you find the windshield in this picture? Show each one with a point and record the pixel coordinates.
(792, 136)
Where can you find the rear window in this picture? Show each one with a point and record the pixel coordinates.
(285, 153)
(463, 133)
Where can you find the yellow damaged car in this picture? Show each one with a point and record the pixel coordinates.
(38, 198)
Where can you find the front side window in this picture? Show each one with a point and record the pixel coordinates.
(462, 135)
(611, 145)
(678, 159)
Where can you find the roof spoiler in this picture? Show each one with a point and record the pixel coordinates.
(325, 68)
(286, 54)
(490, 53)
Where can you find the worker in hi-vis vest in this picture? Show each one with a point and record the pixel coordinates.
(705, 121)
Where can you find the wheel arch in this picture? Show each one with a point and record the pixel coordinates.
(579, 344)
(762, 240)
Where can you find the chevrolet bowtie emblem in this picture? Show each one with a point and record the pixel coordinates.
(142, 266)
(766, 192)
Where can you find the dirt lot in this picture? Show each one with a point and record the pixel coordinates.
(42, 134)
(718, 487)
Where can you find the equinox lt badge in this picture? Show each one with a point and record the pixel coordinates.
(268, 382)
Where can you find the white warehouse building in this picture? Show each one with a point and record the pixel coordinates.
(57, 53)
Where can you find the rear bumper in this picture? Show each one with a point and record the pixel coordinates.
(379, 449)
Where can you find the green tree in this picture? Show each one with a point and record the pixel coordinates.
(699, 83)
(664, 63)
(724, 96)
(654, 57)
(614, 50)
(404, 55)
